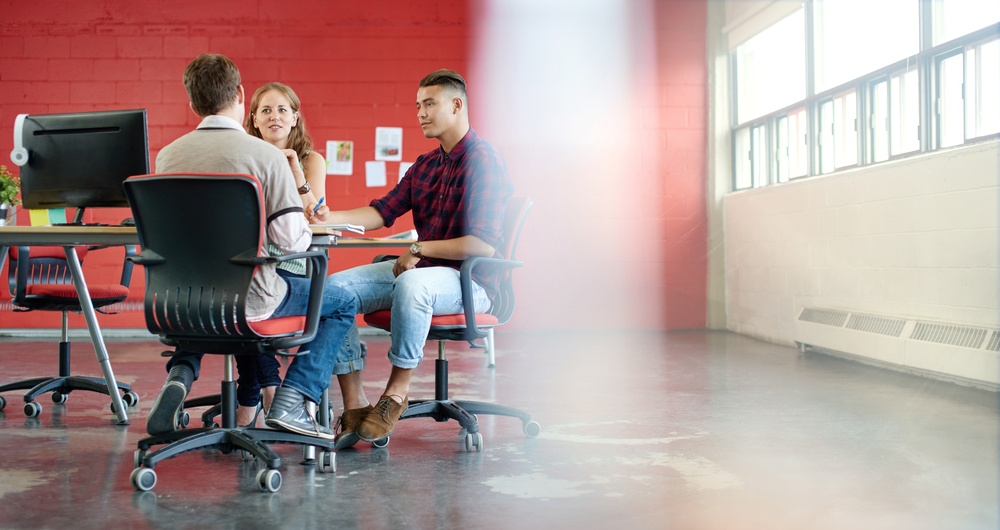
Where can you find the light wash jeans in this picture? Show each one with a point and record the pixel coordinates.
(413, 297)
(310, 373)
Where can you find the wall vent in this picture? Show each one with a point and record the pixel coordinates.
(964, 354)
(892, 327)
(949, 334)
(828, 317)
(994, 344)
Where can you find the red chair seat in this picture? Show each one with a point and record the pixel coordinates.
(383, 319)
(274, 327)
(68, 290)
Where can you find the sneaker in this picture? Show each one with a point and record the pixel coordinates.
(288, 413)
(380, 422)
(347, 425)
(165, 415)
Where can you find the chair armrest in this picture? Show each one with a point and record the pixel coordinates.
(465, 277)
(130, 250)
(317, 281)
(384, 257)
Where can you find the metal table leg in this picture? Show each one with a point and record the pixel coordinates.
(95, 332)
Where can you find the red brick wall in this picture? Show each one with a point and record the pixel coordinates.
(355, 65)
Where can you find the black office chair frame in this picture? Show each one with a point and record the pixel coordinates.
(49, 271)
(470, 327)
(201, 237)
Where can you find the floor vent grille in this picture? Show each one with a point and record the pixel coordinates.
(962, 353)
(963, 336)
(994, 344)
(892, 327)
(828, 317)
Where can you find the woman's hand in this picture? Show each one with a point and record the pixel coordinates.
(317, 216)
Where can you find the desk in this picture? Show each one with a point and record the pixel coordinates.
(372, 242)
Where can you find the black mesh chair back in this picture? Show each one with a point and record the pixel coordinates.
(202, 238)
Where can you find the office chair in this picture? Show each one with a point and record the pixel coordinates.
(39, 279)
(470, 327)
(202, 238)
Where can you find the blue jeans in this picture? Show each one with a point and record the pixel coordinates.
(414, 297)
(310, 373)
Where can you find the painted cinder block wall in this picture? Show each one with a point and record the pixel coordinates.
(627, 227)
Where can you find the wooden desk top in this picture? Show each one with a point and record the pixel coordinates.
(127, 235)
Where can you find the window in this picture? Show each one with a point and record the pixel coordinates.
(955, 18)
(771, 69)
(838, 138)
(853, 38)
(950, 110)
(894, 116)
(904, 113)
(842, 83)
(982, 90)
(791, 152)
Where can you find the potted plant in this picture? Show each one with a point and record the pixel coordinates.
(10, 186)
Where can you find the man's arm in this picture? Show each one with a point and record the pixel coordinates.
(456, 249)
(365, 216)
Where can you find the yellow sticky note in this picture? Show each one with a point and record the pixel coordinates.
(39, 217)
(57, 215)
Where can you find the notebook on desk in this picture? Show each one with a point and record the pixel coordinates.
(345, 227)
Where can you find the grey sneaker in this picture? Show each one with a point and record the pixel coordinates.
(165, 416)
(288, 413)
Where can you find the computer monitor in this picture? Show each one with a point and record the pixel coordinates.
(79, 159)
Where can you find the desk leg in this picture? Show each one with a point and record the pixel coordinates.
(95, 332)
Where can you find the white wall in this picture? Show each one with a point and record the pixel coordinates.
(914, 238)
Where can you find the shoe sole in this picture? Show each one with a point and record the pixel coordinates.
(163, 416)
(347, 440)
(278, 424)
(375, 439)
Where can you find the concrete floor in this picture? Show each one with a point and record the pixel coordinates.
(687, 430)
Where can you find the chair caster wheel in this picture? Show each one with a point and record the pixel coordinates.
(381, 442)
(269, 480)
(59, 397)
(327, 462)
(3, 403)
(474, 441)
(532, 429)
(247, 456)
(32, 409)
(143, 478)
(130, 399)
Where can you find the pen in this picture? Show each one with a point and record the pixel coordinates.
(320, 203)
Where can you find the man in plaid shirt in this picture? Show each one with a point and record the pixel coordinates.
(457, 194)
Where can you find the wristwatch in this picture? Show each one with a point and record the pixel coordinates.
(305, 188)
(415, 249)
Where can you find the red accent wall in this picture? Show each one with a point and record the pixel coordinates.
(355, 66)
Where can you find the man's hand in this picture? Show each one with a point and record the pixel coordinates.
(404, 263)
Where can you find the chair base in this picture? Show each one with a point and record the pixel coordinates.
(441, 408)
(461, 411)
(251, 442)
(63, 385)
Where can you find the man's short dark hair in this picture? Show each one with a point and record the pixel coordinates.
(212, 82)
(447, 79)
